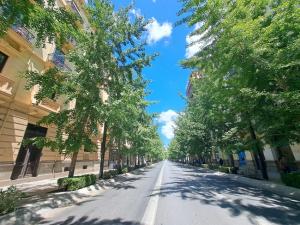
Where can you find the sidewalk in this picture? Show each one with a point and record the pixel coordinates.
(38, 186)
(39, 209)
(276, 188)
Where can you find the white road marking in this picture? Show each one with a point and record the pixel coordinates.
(150, 213)
(262, 221)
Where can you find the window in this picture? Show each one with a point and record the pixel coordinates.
(3, 59)
(53, 96)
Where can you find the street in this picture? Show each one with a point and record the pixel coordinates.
(173, 194)
(101, 101)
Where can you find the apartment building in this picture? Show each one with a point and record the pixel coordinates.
(19, 111)
(189, 88)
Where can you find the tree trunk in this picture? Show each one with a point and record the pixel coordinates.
(119, 154)
(256, 160)
(119, 166)
(73, 164)
(260, 153)
(231, 160)
(103, 150)
(283, 149)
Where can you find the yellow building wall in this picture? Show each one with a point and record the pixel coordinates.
(296, 151)
(17, 105)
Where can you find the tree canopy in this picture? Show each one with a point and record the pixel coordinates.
(250, 65)
(49, 22)
(106, 84)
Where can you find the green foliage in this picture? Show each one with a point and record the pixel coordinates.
(224, 169)
(106, 175)
(213, 166)
(125, 170)
(249, 77)
(131, 168)
(78, 182)
(144, 139)
(50, 23)
(9, 199)
(110, 174)
(291, 179)
(106, 86)
(206, 166)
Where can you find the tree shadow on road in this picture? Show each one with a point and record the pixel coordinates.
(121, 182)
(30, 212)
(93, 221)
(211, 189)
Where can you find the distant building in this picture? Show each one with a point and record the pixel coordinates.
(189, 89)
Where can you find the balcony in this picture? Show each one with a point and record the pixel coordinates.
(59, 60)
(72, 41)
(50, 105)
(82, 2)
(6, 85)
(69, 45)
(75, 9)
(46, 104)
(86, 156)
(24, 32)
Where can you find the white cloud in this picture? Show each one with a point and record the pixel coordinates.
(167, 120)
(154, 1)
(157, 31)
(136, 12)
(197, 42)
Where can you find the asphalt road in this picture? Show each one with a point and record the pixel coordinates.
(174, 194)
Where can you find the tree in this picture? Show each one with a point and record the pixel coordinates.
(145, 140)
(107, 64)
(49, 22)
(127, 48)
(127, 104)
(251, 49)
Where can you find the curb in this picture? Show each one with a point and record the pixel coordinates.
(279, 189)
(31, 209)
(275, 188)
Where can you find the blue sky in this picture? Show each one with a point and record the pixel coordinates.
(169, 80)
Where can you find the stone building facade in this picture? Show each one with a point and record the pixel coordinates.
(19, 111)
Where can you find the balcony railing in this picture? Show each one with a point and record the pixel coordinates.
(24, 32)
(6, 85)
(72, 41)
(75, 8)
(46, 104)
(50, 105)
(69, 45)
(59, 60)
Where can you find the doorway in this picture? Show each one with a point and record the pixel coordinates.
(28, 158)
